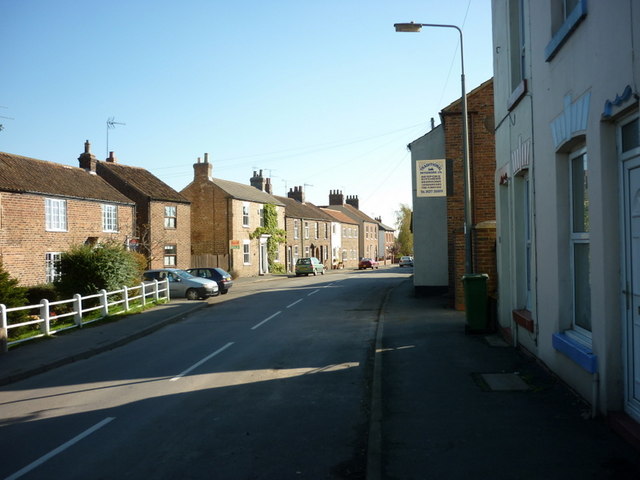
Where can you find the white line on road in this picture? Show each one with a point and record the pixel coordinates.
(266, 320)
(196, 365)
(60, 449)
(315, 291)
(294, 303)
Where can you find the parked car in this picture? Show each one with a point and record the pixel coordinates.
(307, 265)
(183, 284)
(218, 275)
(368, 263)
(406, 262)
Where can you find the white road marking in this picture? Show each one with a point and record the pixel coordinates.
(294, 303)
(265, 320)
(60, 449)
(196, 365)
(315, 291)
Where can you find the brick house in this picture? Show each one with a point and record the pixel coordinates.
(482, 163)
(344, 239)
(386, 241)
(163, 216)
(224, 215)
(308, 230)
(367, 226)
(45, 208)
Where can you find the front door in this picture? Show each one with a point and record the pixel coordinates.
(263, 256)
(631, 179)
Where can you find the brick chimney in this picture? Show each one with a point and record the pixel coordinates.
(203, 170)
(336, 197)
(297, 193)
(112, 158)
(258, 181)
(353, 201)
(88, 160)
(267, 186)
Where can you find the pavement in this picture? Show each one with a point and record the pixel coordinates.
(445, 404)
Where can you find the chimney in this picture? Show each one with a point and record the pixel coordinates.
(112, 158)
(203, 170)
(353, 201)
(297, 193)
(267, 187)
(258, 181)
(336, 197)
(88, 160)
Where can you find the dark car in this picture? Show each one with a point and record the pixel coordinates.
(368, 263)
(220, 276)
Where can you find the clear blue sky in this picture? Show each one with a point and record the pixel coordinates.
(320, 94)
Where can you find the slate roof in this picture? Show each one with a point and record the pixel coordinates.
(248, 193)
(144, 182)
(28, 175)
(296, 209)
(339, 216)
(352, 212)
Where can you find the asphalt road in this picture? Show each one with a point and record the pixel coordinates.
(269, 381)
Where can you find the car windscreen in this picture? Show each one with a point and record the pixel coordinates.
(182, 274)
(304, 261)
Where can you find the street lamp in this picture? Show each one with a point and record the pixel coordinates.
(468, 222)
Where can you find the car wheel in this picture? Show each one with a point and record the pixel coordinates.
(315, 272)
(191, 294)
(322, 272)
(224, 292)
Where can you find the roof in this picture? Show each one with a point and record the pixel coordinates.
(28, 175)
(248, 193)
(338, 216)
(144, 182)
(352, 212)
(296, 209)
(386, 227)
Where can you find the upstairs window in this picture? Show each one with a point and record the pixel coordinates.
(296, 229)
(109, 218)
(245, 214)
(261, 216)
(306, 230)
(170, 255)
(55, 215)
(170, 217)
(566, 15)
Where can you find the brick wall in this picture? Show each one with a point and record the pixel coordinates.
(482, 162)
(24, 240)
(159, 235)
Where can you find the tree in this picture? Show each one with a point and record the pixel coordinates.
(405, 234)
(86, 269)
(276, 236)
(11, 294)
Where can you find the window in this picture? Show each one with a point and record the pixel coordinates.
(316, 231)
(566, 15)
(109, 218)
(170, 255)
(630, 136)
(170, 217)
(246, 253)
(296, 229)
(261, 216)
(306, 230)
(51, 260)
(245, 214)
(516, 43)
(55, 215)
(580, 257)
(306, 251)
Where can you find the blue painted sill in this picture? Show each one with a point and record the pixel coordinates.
(576, 352)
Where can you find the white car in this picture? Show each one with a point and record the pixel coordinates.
(183, 284)
(406, 262)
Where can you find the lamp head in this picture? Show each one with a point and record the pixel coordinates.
(408, 27)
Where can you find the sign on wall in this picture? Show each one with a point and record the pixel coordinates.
(234, 244)
(431, 178)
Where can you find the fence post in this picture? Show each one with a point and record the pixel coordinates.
(126, 298)
(155, 290)
(104, 302)
(144, 294)
(77, 306)
(45, 327)
(4, 330)
(166, 286)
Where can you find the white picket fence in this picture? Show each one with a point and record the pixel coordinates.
(143, 293)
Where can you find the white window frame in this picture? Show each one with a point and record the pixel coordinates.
(246, 252)
(170, 255)
(55, 214)
(296, 229)
(261, 215)
(109, 217)
(50, 261)
(316, 231)
(170, 217)
(578, 239)
(306, 230)
(245, 214)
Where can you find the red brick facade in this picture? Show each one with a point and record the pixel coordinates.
(482, 164)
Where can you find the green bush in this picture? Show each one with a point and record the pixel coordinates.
(86, 269)
(12, 295)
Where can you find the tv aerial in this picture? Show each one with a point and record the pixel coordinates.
(111, 124)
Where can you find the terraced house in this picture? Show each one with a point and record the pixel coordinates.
(45, 208)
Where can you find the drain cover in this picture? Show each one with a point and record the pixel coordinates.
(504, 382)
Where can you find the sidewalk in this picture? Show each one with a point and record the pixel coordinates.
(456, 406)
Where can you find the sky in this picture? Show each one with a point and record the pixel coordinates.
(324, 95)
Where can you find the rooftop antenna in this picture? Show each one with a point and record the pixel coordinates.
(2, 116)
(111, 124)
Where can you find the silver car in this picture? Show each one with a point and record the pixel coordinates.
(183, 284)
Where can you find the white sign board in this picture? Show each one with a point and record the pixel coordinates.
(431, 178)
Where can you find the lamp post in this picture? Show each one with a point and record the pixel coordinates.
(468, 222)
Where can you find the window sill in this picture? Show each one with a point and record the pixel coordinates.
(565, 31)
(576, 351)
(517, 95)
(524, 319)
